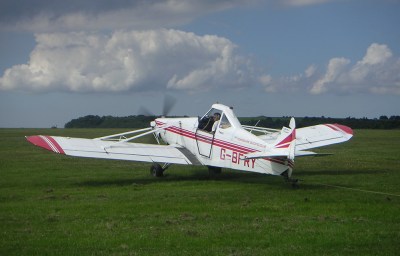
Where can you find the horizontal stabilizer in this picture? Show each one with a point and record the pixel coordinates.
(282, 153)
(322, 135)
(301, 153)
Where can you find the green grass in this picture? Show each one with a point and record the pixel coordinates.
(52, 204)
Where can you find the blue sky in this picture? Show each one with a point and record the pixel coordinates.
(61, 60)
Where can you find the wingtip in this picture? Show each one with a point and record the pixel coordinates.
(46, 142)
(342, 128)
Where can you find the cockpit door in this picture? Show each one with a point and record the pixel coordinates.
(204, 141)
(204, 135)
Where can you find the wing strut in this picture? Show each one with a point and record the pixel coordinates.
(122, 136)
(109, 137)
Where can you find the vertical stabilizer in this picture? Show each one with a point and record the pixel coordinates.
(282, 148)
(292, 145)
(287, 136)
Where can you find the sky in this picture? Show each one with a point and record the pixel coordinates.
(61, 60)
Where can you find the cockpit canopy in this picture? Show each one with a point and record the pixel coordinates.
(227, 118)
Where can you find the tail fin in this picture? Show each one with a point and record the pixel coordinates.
(283, 146)
(287, 137)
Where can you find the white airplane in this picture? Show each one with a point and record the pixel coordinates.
(216, 140)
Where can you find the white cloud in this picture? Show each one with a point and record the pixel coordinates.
(291, 83)
(334, 70)
(376, 54)
(378, 72)
(310, 71)
(76, 15)
(128, 61)
(304, 2)
(266, 82)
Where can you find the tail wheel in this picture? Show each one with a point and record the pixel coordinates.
(156, 170)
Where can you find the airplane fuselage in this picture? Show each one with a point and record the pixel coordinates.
(225, 148)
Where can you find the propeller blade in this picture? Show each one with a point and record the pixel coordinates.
(169, 103)
(145, 111)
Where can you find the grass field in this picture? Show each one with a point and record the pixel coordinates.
(57, 205)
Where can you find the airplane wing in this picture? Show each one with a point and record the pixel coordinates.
(321, 135)
(115, 150)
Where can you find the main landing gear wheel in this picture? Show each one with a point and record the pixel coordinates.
(156, 170)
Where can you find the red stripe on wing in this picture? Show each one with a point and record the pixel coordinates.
(339, 127)
(46, 142)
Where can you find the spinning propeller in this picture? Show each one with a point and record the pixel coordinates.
(168, 104)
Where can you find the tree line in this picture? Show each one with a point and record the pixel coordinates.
(140, 121)
(94, 121)
(383, 122)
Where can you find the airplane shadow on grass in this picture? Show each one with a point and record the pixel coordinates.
(225, 176)
(302, 173)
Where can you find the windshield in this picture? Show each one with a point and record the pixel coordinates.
(211, 112)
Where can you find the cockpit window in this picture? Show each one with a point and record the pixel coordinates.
(211, 113)
(207, 121)
(224, 123)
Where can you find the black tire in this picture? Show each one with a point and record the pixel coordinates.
(156, 170)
